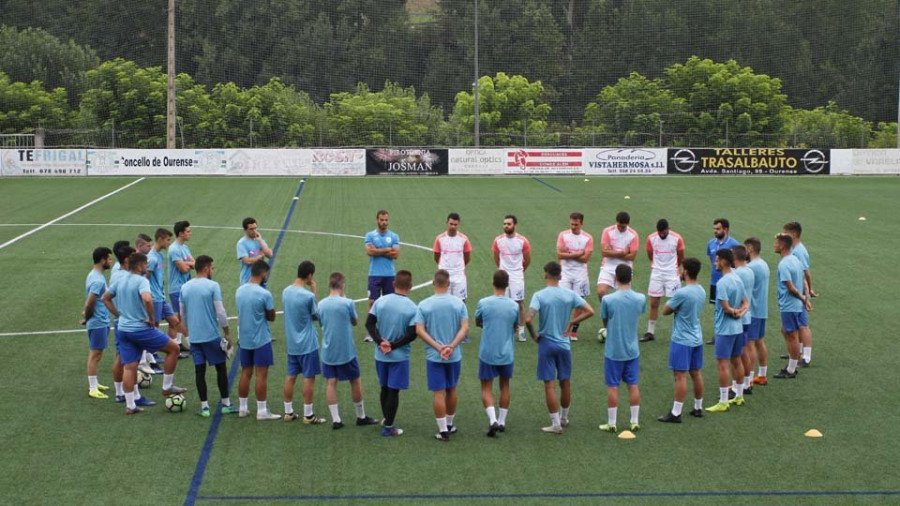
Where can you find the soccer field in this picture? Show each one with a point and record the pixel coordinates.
(62, 447)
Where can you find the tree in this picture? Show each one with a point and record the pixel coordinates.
(26, 106)
(885, 137)
(828, 127)
(393, 116)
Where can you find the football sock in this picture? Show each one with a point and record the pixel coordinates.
(698, 403)
(92, 382)
(501, 419)
(129, 400)
(792, 366)
(450, 419)
(178, 338)
(763, 370)
(734, 386)
(360, 409)
(564, 413)
(748, 381)
(739, 391)
(307, 410)
(554, 419)
(635, 413)
(225, 401)
(335, 414)
(723, 394)
(676, 408)
(492, 416)
(288, 408)
(611, 415)
(204, 404)
(651, 326)
(807, 353)
(442, 424)
(242, 401)
(118, 387)
(261, 407)
(137, 392)
(168, 381)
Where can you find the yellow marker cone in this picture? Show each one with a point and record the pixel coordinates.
(627, 197)
(862, 218)
(586, 179)
(626, 434)
(813, 433)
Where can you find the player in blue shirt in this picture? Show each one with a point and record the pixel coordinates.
(137, 330)
(391, 323)
(156, 272)
(686, 349)
(299, 303)
(250, 248)
(732, 302)
(722, 240)
(442, 321)
(96, 319)
(792, 302)
(122, 251)
(498, 315)
(180, 264)
(621, 312)
(256, 309)
(383, 247)
(759, 311)
(204, 313)
(337, 314)
(553, 305)
(748, 279)
(794, 230)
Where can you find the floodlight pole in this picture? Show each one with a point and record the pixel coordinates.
(477, 133)
(170, 70)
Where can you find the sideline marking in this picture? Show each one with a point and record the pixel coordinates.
(548, 185)
(70, 213)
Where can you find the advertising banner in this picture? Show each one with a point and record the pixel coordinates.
(407, 162)
(624, 162)
(876, 161)
(156, 162)
(749, 161)
(296, 162)
(478, 162)
(42, 162)
(544, 161)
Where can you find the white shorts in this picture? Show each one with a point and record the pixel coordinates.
(663, 284)
(458, 288)
(607, 277)
(577, 285)
(516, 289)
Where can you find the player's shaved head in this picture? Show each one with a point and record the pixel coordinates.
(501, 279)
(441, 278)
(162, 233)
(336, 281)
(691, 268)
(403, 280)
(552, 270)
(740, 253)
(727, 256)
(623, 274)
(753, 244)
(259, 268)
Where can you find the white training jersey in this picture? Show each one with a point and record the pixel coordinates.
(618, 241)
(452, 249)
(568, 242)
(665, 251)
(512, 253)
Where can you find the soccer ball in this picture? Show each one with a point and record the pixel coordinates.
(176, 403)
(601, 335)
(144, 380)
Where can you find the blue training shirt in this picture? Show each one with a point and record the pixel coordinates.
(711, 249)
(177, 253)
(554, 306)
(395, 314)
(749, 280)
(299, 309)
(689, 302)
(198, 298)
(381, 265)
(499, 316)
(95, 283)
(789, 269)
(729, 288)
(442, 315)
(335, 314)
(759, 298)
(156, 271)
(127, 291)
(622, 310)
(247, 248)
(252, 302)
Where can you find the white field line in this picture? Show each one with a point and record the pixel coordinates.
(70, 213)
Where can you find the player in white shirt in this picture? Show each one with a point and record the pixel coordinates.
(573, 250)
(451, 253)
(618, 245)
(665, 249)
(512, 254)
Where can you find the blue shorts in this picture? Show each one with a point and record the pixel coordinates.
(175, 299)
(162, 310)
(729, 346)
(209, 352)
(685, 358)
(307, 365)
(489, 371)
(757, 329)
(380, 285)
(132, 344)
(616, 371)
(393, 374)
(791, 322)
(343, 372)
(260, 357)
(442, 375)
(98, 339)
(554, 361)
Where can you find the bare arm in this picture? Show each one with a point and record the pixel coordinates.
(582, 314)
(668, 310)
(529, 318)
(107, 301)
(460, 334)
(147, 299)
(496, 260)
(526, 260)
(437, 257)
(270, 315)
(425, 336)
(89, 307)
(466, 255)
(184, 266)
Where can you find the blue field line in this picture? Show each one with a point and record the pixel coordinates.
(200, 470)
(548, 185)
(572, 495)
